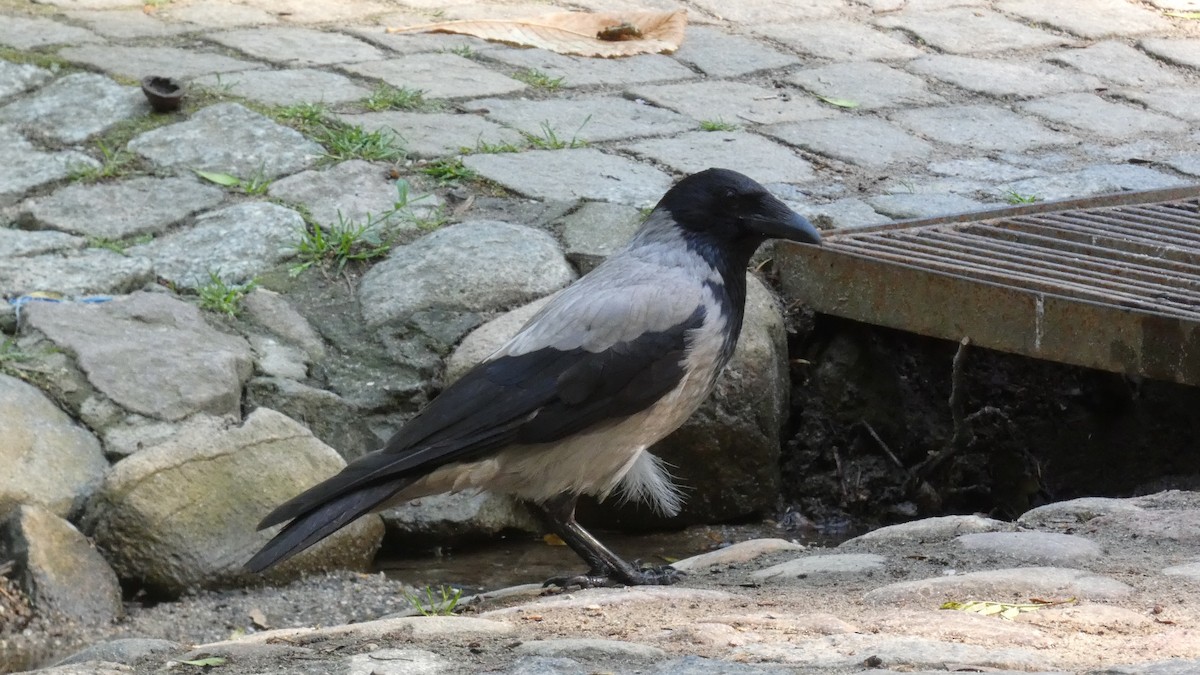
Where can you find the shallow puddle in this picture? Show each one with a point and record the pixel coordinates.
(523, 560)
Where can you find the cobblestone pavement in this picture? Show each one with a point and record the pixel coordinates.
(856, 112)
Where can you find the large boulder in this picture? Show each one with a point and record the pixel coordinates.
(49, 460)
(182, 514)
(64, 577)
(150, 353)
(726, 456)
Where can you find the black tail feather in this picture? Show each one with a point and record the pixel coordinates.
(320, 522)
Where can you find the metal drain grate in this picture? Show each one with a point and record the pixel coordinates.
(1110, 282)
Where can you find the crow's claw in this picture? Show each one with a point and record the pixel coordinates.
(664, 575)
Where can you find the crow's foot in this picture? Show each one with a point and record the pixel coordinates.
(664, 575)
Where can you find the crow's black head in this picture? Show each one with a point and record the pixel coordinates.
(730, 210)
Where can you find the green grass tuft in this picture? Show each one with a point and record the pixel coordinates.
(538, 80)
(223, 298)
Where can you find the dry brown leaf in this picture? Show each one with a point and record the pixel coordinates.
(606, 34)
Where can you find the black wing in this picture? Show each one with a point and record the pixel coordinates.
(537, 397)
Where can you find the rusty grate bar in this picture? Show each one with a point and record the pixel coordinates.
(1112, 282)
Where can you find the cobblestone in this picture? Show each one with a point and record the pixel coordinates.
(1095, 115)
(437, 134)
(577, 71)
(1180, 52)
(869, 84)
(863, 141)
(591, 119)
(128, 24)
(1102, 19)
(294, 46)
(738, 150)
(734, 102)
(26, 33)
(839, 40)
(1118, 63)
(144, 205)
(970, 31)
(723, 55)
(138, 62)
(576, 174)
(287, 87)
(438, 76)
(1182, 103)
(75, 108)
(19, 77)
(979, 126)
(1001, 78)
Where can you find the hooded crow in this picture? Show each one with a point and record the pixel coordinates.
(568, 406)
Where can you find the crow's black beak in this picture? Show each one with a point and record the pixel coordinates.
(778, 221)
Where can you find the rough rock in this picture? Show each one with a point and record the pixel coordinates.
(410, 626)
(1035, 548)
(330, 417)
(50, 460)
(818, 567)
(238, 243)
(741, 552)
(134, 433)
(19, 77)
(274, 359)
(273, 312)
(354, 192)
(397, 662)
(14, 243)
(904, 653)
(559, 174)
(26, 167)
(132, 207)
(228, 138)
(1003, 585)
(288, 87)
(150, 353)
(75, 108)
(926, 531)
(449, 518)
(595, 230)
(589, 648)
(437, 287)
(740, 422)
(66, 579)
(183, 513)
(125, 650)
(91, 271)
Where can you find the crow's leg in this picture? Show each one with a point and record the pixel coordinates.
(606, 567)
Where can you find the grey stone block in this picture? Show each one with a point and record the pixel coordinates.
(579, 71)
(16, 78)
(869, 84)
(14, 243)
(128, 24)
(1118, 63)
(1183, 102)
(1109, 120)
(229, 138)
(840, 40)
(1001, 78)
(136, 206)
(734, 102)
(592, 232)
(92, 271)
(287, 87)
(964, 30)
(720, 54)
(438, 76)
(354, 191)
(575, 174)
(25, 167)
(591, 119)
(1180, 51)
(755, 156)
(864, 141)
(771, 11)
(1101, 19)
(138, 62)
(437, 134)
(901, 206)
(54, 463)
(297, 46)
(22, 32)
(979, 126)
(235, 243)
(75, 108)
(216, 14)
(1093, 180)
